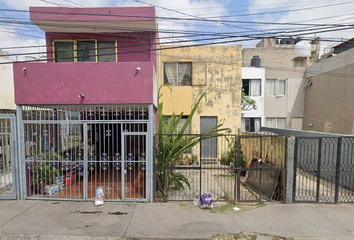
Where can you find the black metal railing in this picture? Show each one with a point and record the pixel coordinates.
(225, 170)
(324, 169)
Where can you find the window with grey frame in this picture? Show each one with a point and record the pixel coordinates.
(178, 73)
(276, 123)
(276, 87)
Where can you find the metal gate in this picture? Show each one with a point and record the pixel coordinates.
(69, 153)
(185, 176)
(261, 168)
(324, 170)
(8, 167)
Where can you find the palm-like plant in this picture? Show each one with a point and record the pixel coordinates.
(171, 144)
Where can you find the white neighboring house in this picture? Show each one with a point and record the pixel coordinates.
(253, 82)
(7, 100)
(285, 61)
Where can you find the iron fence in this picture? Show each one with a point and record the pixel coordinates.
(8, 165)
(228, 174)
(69, 151)
(324, 169)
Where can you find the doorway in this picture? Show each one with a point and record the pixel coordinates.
(208, 145)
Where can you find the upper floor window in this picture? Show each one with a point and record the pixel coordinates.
(251, 87)
(178, 73)
(275, 87)
(64, 51)
(276, 122)
(106, 51)
(85, 51)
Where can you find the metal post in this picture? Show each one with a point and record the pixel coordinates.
(290, 151)
(339, 149)
(261, 172)
(238, 175)
(150, 156)
(14, 158)
(294, 165)
(21, 179)
(85, 178)
(319, 170)
(154, 190)
(200, 166)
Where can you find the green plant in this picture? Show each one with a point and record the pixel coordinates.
(45, 169)
(227, 208)
(231, 155)
(225, 158)
(44, 175)
(171, 145)
(247, 103)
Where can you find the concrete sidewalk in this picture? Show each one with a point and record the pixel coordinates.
(122, 220)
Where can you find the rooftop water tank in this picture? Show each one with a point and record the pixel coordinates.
(302, 49)
(256, 61)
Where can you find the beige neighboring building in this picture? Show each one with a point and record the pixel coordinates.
(191, 71)
(329, 98)
(285, 62)
(7, 101)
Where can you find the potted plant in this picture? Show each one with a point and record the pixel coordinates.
(43, 175)
(45, 170)
(225, 160)
(232, 155)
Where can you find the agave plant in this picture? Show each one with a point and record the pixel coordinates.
(171, 145)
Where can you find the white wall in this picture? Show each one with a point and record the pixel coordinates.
(255, 73)
(7, 100)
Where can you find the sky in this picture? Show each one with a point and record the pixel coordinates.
(242, 22)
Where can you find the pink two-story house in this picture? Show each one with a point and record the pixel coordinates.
(86, 116)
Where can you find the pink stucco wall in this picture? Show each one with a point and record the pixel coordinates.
(101, 83)
(112, 14)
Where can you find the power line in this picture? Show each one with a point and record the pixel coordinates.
(247, 36)
(286, 11)
(56, 4)
(74, 3)
(307, 32)
(196, 17)
(186, 19)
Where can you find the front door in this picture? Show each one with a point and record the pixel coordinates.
(208, 145)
